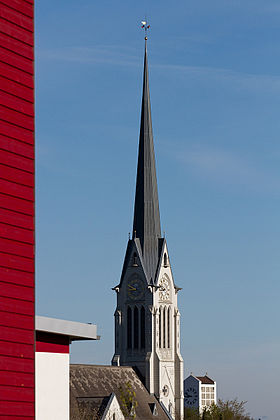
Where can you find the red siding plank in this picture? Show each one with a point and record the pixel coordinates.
(16, 219)
(15, 335)
(16, 46)
(16, 147)
(16, 175)
(16, 234)
(16, 248)
(16, 417)
(18, 162)
(16, 118)
(16, 61)
(16, 306)
(16, 291)
(16, 394)
(17, 104)
(20, 6)
(16, 89)
(21, 278)
(17, 32)
(17, 379)
(16, 17)
(13, 408)
(16, 204)
(15, 132)
(17, 75)
(16, 190)
(17, 350)
(9, 319)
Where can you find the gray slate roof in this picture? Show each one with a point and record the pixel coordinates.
(146, 224)
(91, 386)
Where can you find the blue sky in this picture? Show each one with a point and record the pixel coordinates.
(215, 92)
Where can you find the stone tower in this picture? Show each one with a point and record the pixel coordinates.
(147, 319)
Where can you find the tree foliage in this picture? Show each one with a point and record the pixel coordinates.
(128, 400)
(223, 410)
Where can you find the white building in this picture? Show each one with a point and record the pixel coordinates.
(199, 392)
(52, 364)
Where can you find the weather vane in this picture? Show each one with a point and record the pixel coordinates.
(146, 27)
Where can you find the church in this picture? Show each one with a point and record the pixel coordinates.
(147, 366)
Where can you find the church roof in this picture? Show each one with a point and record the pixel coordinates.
(146, 224)
(92, 385)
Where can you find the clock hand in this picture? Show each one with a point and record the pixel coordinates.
(131, 287)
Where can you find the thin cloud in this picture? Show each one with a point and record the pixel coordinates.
(102, 54)
(125, 56)
(227, 168)
(237, 79)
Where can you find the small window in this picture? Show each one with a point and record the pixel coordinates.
(129, 328)
(160, 326)
(142, 322)
(136, 328)
(165, 261)
(164, 328)
(134, 260)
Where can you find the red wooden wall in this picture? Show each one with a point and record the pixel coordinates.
(16, 210)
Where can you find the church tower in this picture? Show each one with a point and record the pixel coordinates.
(147, 319)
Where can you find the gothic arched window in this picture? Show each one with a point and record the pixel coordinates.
(129, 328)
(164, 328)
(168, 327)
(142, 323)
(136, 328)
(159, 327)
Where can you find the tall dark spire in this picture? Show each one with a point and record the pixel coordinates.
(146, 225)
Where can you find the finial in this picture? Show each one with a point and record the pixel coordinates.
(146, 27)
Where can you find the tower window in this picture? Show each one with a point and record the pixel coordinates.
(168, 327)
(165, 261)
(129, 328)
(134, 259)
(136, 328)
(164, 328)
(160, 322)
(142, 327)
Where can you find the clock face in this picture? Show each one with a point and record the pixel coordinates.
(164, 289)
(191, 396)
(135, 289)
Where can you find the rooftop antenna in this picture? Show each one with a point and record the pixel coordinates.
(146, 27)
